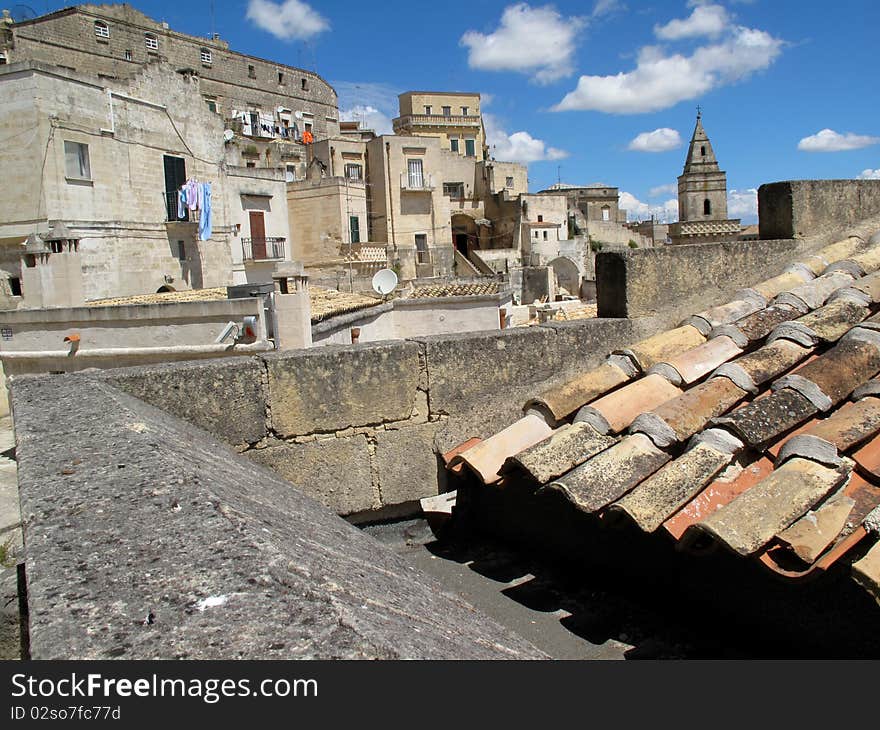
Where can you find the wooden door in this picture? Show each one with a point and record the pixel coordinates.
(258, 235)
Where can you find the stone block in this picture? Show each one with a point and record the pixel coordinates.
(679, 280)
(334, 471)
(224, 397)
(407, 464)
(332, 388)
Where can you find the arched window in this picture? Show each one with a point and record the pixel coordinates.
(151, 41)
(703, 151)
(707, 207)
(102, 30)
(305, 84)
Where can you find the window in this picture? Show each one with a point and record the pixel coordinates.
(15, 286)
(508, 182)
(2, 59)
(453, 144)
(151, 42)
(427, 110)
(128, 55)
(707, 207)
(540, 219)
(252, 72)
(447, 111)
(212, 104)
(181, 250)
(470, 148)
(416, 176)
(354, 172)
(545, 235)
(102, 30)
(354, 227)
(464, 111)
(76, 161)
(304, 84)
(606, 213)
(250, 164)
(280, 79)
(291, 173)
(702, 151)
(536, 234)
(422, 254)
(206, 56)
(454, 190)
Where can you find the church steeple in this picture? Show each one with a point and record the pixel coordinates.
(701, 156)
(702, 187)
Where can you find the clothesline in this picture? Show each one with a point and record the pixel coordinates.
(196, 196)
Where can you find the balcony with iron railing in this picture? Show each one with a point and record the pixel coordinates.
(263, 249)
(408, 121)
(171, 210)
(416, 183)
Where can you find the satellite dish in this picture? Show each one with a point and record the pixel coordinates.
(384, 282)
(298, 115)
(228, 135)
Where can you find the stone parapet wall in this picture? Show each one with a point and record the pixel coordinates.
(361, 427)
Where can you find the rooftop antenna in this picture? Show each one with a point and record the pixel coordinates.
(559, 174)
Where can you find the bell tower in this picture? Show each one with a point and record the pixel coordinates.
(702, 187)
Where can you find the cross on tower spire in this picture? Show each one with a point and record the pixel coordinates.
(699, 112)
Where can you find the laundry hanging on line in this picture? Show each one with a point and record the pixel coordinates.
(196, 196)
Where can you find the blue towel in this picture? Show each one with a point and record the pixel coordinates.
(205, 222)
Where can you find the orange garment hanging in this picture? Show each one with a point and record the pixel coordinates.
(307, 137)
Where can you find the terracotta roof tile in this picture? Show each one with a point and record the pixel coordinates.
(869, 286)
(868, 458)
(328, 303)
(611, 474)
(718, 494)
(486, 458)
(758, 325)
(842, 249)
(565, 399)
(172, 297)
(658, 348)
(768, 418)
(698, 362)
(690, 412)
(778, 284)
(841, 370)
(752, 520)
(815, 293)
(568, 447)
(456, 290)
(811, 535)
(613, 413)
(765, 363)
(730, 312)
(866, 572)
(826, 324)
(850, 425)
(661, 495)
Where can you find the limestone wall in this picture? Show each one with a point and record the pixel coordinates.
(800, 208)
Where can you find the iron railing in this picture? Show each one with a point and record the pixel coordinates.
(262, 249)
(171, 209)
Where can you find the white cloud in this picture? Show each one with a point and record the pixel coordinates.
(291, 20)
(827, 140)
(660, 140)
(660, 81)
(537, 41)
(870, 175)
(519, 146)
(670, 189)
(743, 204)
(369, 118)
(606, 7)
(705, 20)
(636, 210)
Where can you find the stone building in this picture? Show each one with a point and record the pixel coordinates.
(270, 106)
(702, 196)
(415, 201)
(454, 118)
(100, 102)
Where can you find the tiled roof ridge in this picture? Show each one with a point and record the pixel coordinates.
(645, 433)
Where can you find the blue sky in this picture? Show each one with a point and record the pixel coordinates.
(604, 90)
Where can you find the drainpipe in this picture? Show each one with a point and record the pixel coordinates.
(390, 193)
